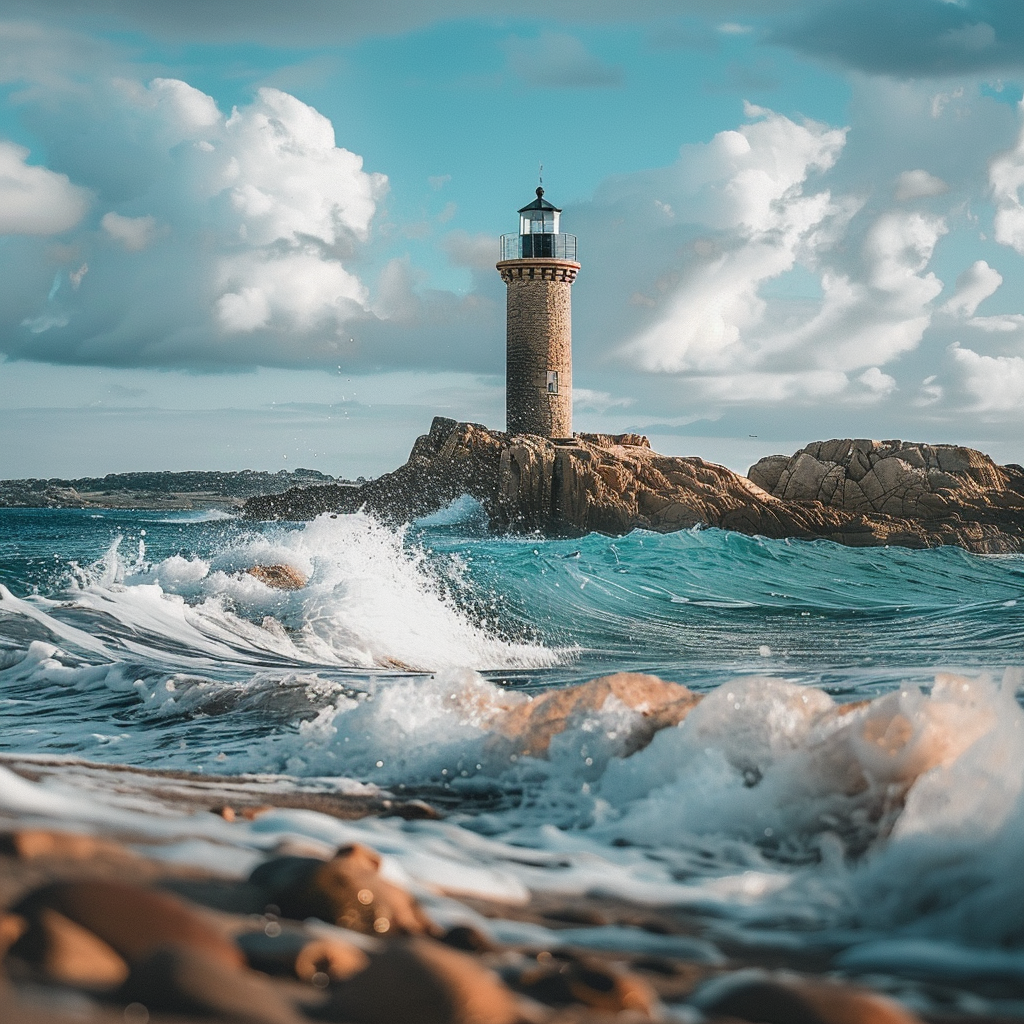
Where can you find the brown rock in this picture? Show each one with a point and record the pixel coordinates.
(531, 726)
(775, 1001)
(419, 981)
(133, 921)
(179, 979)
(347, 891)
(926, 494)
(856, 492)
(69, 954)
(283, 577)
(589, 982)
(288, 951)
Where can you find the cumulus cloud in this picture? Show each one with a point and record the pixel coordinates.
(258, 213)
(719, 319)
(589, 400)
(878, 383)
(973, 286)
(994, 383)
(753, 187)
(35, 200)
(557, 61)
(1006, 177)
(918, 184)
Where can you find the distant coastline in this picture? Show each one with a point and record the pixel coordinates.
(189, 489)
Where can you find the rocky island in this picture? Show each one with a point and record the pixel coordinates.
(855, 492)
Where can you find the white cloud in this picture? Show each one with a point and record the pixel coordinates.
(973, 286)
(717, 318)
(995, 383)
(35, 200)
(134, 233)
(261, 212)
(754, 187)
(759, 386)
(878, 383)
(918, 184)
(286, 179)
(297, 291)
(1006, 178)
(585, 399)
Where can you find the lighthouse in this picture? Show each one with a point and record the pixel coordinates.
(538, 266)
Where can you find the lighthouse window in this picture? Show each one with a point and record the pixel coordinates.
(552, 382)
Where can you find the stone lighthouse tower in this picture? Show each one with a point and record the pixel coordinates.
(538, 265)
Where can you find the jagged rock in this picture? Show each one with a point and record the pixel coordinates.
(958, 495)
(855, 492)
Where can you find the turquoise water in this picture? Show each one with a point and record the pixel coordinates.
(697, 607)
(138, 638)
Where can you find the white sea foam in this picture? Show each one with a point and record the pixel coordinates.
(371, 601)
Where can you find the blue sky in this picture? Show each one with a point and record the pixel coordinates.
(263, 235)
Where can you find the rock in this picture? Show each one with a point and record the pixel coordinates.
(295, 953)
(769, 1000)
(347, 891)
(283, 577)
(419, 981)
(590, 982)
(132, 920)
(66, 953)
(934, 494)
(178, 979)
(530, 726)
(925, 495)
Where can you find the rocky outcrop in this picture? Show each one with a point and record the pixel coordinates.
(860, 493)
(945, 489)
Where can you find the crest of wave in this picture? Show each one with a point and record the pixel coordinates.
(371, 599)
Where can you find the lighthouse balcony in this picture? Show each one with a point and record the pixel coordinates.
(538, 246)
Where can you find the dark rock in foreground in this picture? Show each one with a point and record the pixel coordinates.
(860, 493)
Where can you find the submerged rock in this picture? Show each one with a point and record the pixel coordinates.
(531, 726)
(860, 493)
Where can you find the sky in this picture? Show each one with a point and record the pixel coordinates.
(263, 235)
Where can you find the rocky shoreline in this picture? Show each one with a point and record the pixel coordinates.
(122, 898)
(856, 492)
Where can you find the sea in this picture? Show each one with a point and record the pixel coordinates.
(137, 638)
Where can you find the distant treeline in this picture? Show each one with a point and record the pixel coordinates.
(239, 484)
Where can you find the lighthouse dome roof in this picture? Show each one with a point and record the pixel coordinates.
(540, 203)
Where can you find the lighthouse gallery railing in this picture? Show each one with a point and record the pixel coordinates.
(523, 247)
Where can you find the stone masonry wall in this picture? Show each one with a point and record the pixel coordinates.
(539, 339)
